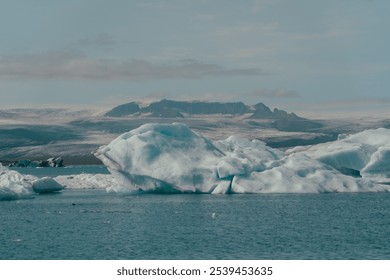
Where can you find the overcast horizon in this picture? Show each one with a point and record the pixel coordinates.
(325, 57)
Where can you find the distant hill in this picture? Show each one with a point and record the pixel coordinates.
(198, 107)
(124, 110)
(282, 120)
(179, 109)
(194, 108)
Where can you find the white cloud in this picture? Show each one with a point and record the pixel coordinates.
(70, 65)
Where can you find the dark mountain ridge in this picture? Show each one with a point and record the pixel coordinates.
(198, 108)
(192, 108)
(180, 109)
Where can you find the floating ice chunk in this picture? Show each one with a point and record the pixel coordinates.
(13, 185)
(297, 173)
(163, 158)
(366, 152)
(46, 185)
(87, 181)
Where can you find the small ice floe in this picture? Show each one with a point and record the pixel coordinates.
(88, 181)
(46, 185)
(13, 185)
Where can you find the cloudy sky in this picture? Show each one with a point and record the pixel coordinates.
(299, 55)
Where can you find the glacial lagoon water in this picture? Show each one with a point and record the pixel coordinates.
(94, 224)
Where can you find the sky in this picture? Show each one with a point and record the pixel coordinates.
(310, 57)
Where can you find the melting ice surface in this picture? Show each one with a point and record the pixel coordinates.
(171, 158)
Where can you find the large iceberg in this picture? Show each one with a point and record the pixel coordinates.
(163, 157)
(172, 158)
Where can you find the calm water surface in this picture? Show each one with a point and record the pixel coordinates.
(93, 224)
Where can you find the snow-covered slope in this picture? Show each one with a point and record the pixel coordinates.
(173, 158)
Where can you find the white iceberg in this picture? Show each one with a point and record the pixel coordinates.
(173, 158)
(254, 155)
(298, 173)
(163, 157)
(13, 185)
(367, 153)
(46, 185)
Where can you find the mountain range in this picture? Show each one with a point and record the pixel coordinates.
(38, 134)
(181, 109)
(169, 108)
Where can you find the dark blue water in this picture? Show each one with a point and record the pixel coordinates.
(92, 224)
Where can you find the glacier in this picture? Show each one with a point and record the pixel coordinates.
(172, 158)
